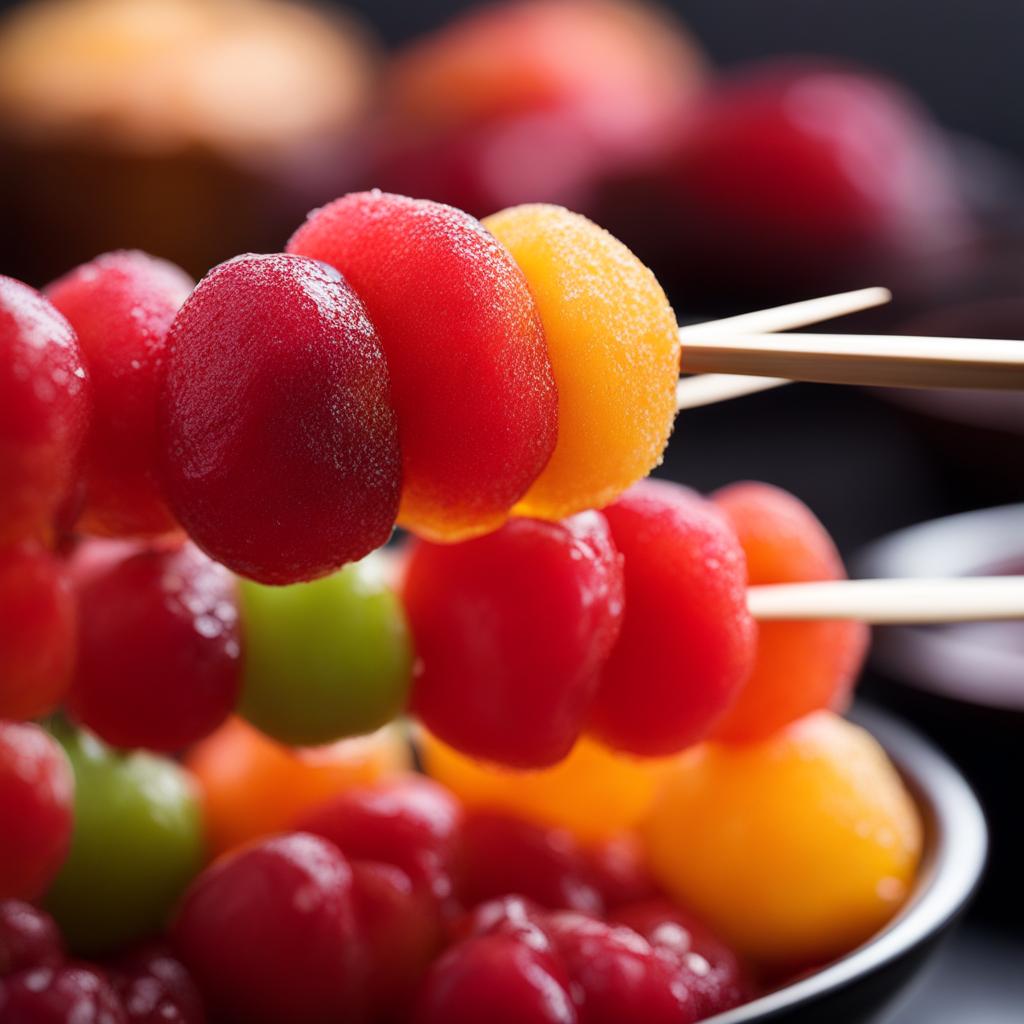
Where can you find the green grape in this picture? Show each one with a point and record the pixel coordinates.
(137, 843)
(327, 659)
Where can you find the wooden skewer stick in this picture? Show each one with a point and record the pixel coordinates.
(892, 601)
(707, 388)
(876, 361)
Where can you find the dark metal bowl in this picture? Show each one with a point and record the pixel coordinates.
(856, 988)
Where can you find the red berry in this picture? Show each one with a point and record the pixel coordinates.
(687, 642)
(73, 994)
(800, 666)
(512, 630)
(156, 988)
(506, 915)
(618, 976)
(503, 854)
(498, 979)
(159, 662)
(281, 449)
(121, 305)
(712, 970)
(409, 821)
(44, 412)
(471, 379)
(37, 631)
(37, 790)
(269, 933)
(400, 927)
(29, 938)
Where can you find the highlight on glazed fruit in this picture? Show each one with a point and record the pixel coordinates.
(213, 683)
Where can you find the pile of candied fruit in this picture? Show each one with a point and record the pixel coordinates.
(632, 802)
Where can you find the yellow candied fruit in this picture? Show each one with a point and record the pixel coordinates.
(594, 793)
(795, 849)
(614, 346)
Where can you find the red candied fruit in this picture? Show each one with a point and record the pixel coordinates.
(37, 790)
(408, 821)
(268, 932)
(155, 988)
(687, 641)
(617, 975)
(281, 448)
(75, 993)
(512, 630)
(44, 413)
(496, 978)
(503, 854)
(471, 379)
(29, 938)
(159, 655)
(121, 305)
(800, 667)
(714, 973)
(37, 631)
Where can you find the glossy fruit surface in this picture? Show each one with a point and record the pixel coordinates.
(595, 793)
(137, 843)
(121, 305)
(70, 994)
(37, 631)
(269, 932)
(497, 978)
(800, 666)
(838, 840)
(614, 347)
(29, 938)
(502, 854)
(45, 403)
(687, 642)
(160, 649)
(37, 796)
(470, 375)
(281, 449)
(252, 786)
(407, 821)
(155, 987)
(327, 659)
(512, 630)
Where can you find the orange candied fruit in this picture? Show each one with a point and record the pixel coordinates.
(796, 849)
(595, 793)
(252, 786)
(614, 347)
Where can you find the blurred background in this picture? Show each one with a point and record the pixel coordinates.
(751, 152)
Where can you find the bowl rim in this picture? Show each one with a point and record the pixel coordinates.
(935, 659)
(955, 854)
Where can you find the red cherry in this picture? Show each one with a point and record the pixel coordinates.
(44, 412)
(713, 971)
(73, 994)
(400, 927)
(503, 854)
(619, 869)
(159, 663)
(280, 443)
(121, 305)
(688, 641)
(37, 791)
(37, 631)
(29, 938)
(618, 976)
(512, 630)
(513, 915)
(268, 932)
(498, 979)
(156, 988)
(409, 821)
